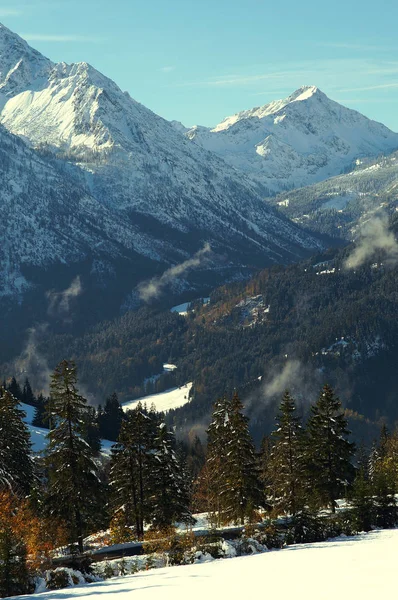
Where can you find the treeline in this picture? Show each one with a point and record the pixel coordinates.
(101, 422)
(301, 469)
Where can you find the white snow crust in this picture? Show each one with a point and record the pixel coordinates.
(359, 568)
(164, 401)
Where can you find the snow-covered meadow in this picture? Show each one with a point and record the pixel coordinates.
(164, 401)
(358, 568)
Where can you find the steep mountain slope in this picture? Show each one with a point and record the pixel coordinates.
(48, 220)
(20, 65)
(137, 164)
(296, 141)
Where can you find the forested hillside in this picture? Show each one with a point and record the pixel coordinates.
(297, 327)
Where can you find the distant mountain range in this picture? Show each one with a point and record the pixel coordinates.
(94, 185)
(94, 177)
(295, 142)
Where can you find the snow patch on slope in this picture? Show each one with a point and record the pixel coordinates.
(164, 401)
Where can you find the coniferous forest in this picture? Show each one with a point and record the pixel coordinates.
(307, 476)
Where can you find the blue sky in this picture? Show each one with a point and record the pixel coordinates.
(198, 61)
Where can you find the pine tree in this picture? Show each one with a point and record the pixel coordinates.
(110, 418)
(231, 451)
(329, 452)
(15, 389)
(40, 417)
(362, 504)
(16, 465)
(170, 494)
(28, 396)
(131, 468)
(215, 467)
(91, 430)
(287, 467)
(73, 472)
(13, 570)
(383, 475)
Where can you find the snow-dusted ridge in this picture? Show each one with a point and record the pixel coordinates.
(160, 195)
(296, 141)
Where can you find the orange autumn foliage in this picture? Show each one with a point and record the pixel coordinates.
(40, 536)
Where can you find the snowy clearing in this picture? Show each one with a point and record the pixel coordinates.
(346, 568)
(38, 435)
(164, 401)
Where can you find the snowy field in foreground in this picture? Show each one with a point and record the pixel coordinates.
(363, 567)
(164, 401)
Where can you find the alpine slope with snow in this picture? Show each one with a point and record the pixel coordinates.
(294, 142)
(363, 567)
(167, 197)
(347, 200)
(164, 401)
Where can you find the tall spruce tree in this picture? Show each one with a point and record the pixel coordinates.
(215, 467)
(170, 493)
(132, 468)
(383, 476)
(15, 389)
(110, 418)
(362, 511)
(40, 417)
(286, 468)
(27, 394)
(329, 453)
(240, 492)
(16, 464)
(73, 473)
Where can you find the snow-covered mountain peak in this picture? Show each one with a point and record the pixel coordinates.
(139, 167)
(296, 141)
(304, 93)
(260, 112)
(21, 66)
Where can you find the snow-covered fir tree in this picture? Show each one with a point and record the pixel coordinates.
(383, 468)
(329, 453)
(16, 465)
(213, 474)
(132, 469)
(286, 469)
(170, 493)
(234, 487)
(73, 480)
(241, 490)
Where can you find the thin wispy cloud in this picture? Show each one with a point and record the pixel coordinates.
(167, 69)
(10, 12)
(354, 46)
(363, 76)
(44, 37)
(383, 86)
(148, 290)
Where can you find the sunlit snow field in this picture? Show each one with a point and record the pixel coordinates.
(358, 568)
